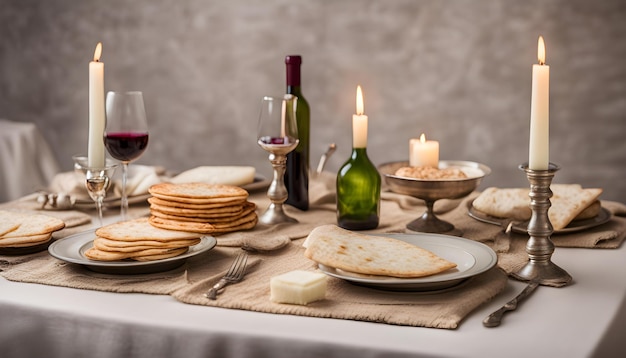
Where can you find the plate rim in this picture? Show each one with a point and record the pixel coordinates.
(83, 238)
(432, 279)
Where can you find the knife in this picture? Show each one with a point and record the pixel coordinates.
(494, 319)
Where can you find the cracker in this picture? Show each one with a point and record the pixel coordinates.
(568, 201)
(207, 213)
(197, 191)
(244, 223)
(504, 203)
(213, 218)
(176, 204)
(25, 241)
(174, 253)
(141, 230)
(120, 246)
(590, 212)
(30, 224)
(94, 253)
(333, 246)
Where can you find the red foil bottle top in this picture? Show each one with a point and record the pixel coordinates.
(293, 63)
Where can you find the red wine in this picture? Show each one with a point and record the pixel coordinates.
(297, 172)
(126, 146)
(278, 145)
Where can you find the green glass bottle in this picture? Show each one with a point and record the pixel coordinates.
(358, 181)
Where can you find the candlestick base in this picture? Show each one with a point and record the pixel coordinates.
(539, 247)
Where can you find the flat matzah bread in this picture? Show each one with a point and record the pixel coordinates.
(30, 224)
(247, 222)
(144, 255)
(198, 191)
(371, 255)
(111, 245)
(195, 206)
(141, 230)
(230, 175)
(212, 218)
(567, 202)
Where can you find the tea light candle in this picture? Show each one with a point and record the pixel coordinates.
(95, 151)
(359, 122)
(538, 152)
(423, 153)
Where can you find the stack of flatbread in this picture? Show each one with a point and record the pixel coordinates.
(569, 202)
(335, 247)
(25, 229)
(201, 207)
(138, 240)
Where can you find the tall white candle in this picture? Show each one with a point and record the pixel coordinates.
(538, 151)
(95, 151)
(359, 122)
(423, 153)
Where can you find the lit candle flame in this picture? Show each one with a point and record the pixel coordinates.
(97, 52)
(359, 101)
(541, 51)
(422, 138)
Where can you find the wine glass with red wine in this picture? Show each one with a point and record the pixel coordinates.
(278, 135)
(126, 132)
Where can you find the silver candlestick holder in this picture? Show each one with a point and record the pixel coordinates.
(539, 247)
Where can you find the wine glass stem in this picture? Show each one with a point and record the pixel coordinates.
(99, 201)
(124, 206)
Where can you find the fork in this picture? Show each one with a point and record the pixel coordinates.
(234, 274)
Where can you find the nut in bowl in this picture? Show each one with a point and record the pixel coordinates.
(443, 182)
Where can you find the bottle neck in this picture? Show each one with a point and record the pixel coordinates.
(293, 76)
(359, 153)
(295, 90)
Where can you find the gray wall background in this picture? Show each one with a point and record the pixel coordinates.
(460, 71)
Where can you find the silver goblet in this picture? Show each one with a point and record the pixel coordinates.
(431, 190)
(278, 135)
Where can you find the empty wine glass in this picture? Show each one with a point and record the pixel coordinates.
(126, 132)
(97, 179)
(277, 134)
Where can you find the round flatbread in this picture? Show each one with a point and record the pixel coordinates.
(25, 241)
(111, 245)
(246, 210)
(247, 222)
(141, 230)
(197, 191)
(335, 247)
(30, 224)
(176, 204)
(145, 255)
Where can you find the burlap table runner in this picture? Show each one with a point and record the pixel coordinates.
(344, 301)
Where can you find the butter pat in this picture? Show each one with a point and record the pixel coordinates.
(298, 287)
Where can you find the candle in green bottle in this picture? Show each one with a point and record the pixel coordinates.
(358, 180)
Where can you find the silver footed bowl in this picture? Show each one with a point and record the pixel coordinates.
(431, 190)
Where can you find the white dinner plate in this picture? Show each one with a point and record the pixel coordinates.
(72, 249)
(471, 257)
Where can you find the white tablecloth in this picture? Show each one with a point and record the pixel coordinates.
(585, 319)
(26, 162)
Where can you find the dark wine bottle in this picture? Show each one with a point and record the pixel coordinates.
(358, 180)
(297, 171)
